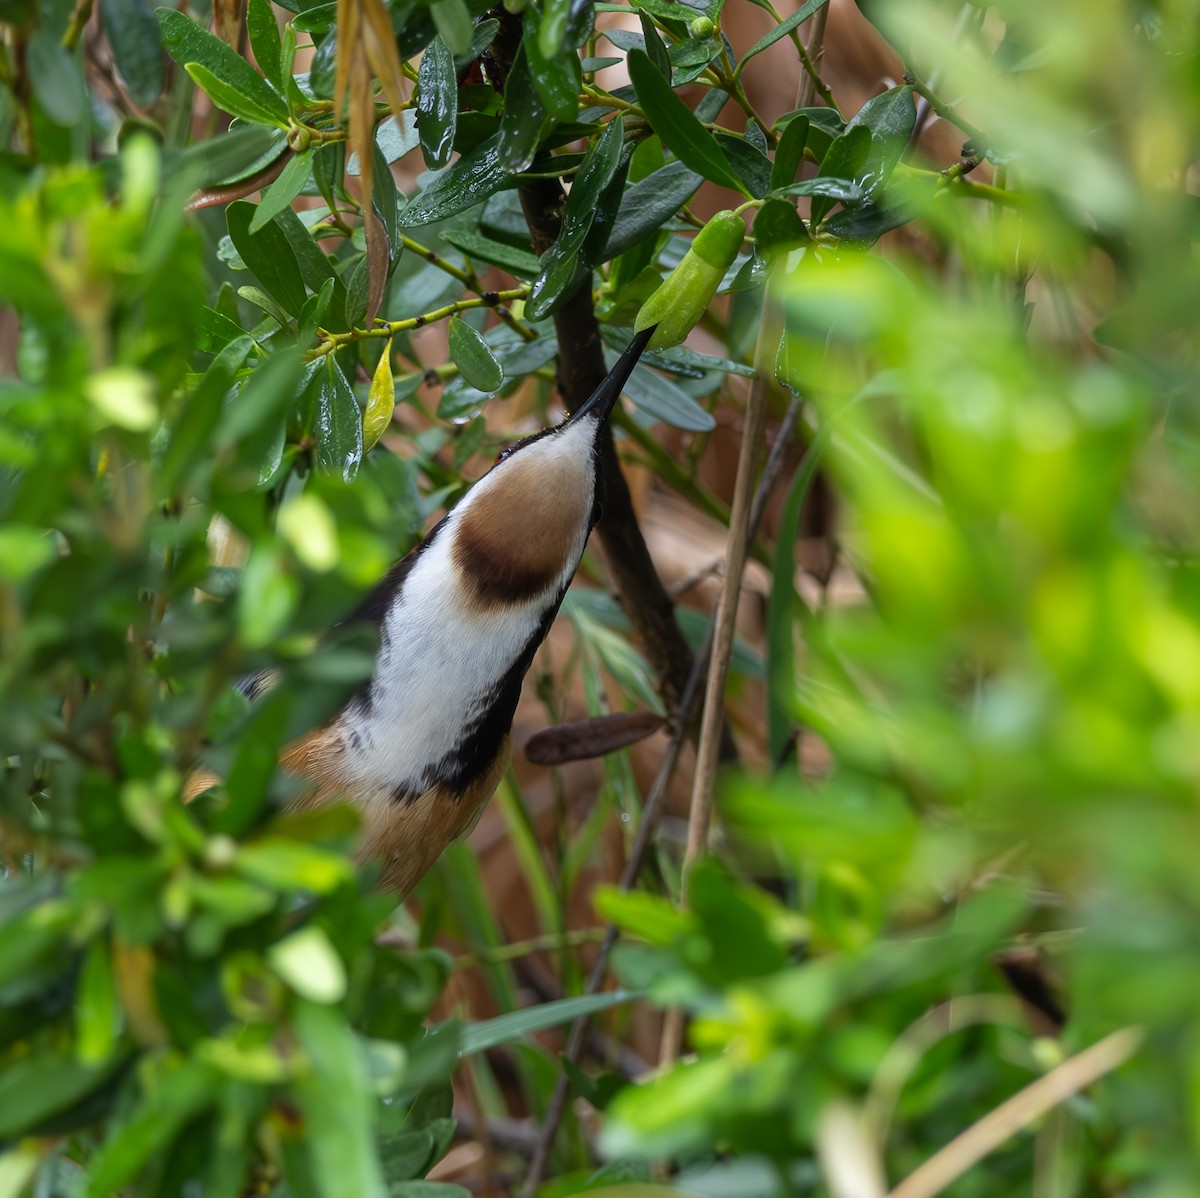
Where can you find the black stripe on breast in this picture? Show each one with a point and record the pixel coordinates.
(483, 739)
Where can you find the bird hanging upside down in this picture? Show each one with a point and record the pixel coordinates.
(424, 743)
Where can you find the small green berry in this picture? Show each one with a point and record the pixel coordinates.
(702, 27)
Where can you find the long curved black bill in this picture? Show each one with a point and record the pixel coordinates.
(602, 401)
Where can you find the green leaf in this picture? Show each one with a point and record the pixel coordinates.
(309, 963)
(280, 194)
(452, 19)
(552, 29)
(96, 1007)
(291, 865)
(178, 1094)
(517, 1025)
(752, 166)
(845, 166)
(649, 204)
(655, 50)
(663, 400)
(56, 77)
(437, 104)
(797, 19)
(473, 357)
(891, 118)
(557, 77)
(338, 427)
(226, 96)
(649, 916)
(560, 266)
(473, 178)
(789, 152)
(268, 254)
(524, 119)
(234, 156)
(338, 1106)
(677, 125)
(519, 263)
(266, 42)
(132, 32)
(43, 1084)
(189, 44)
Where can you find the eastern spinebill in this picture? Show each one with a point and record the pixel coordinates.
(423, 744)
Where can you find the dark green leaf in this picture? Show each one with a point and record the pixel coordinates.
(552, 28)
(824, 124)
(677, 125)
(137, 47)
(437, 104)
(385, 200)
(315, 267)
(557, 77)
(516, 1025)
(752, 166)
(663, 400)
(891, 118)
(187, 42)
(789, 153)
(56, 77)
(280, 194)
(654, 48)
(844, 167)
(482, 37)
(43, 1084)
(649, 204)
(265, 41)
(778, 226)
(553, 285)
(176, 1097)
(473, 178)
(338, 427)
(797, 19)
(524, 118)
(521, 263)
(473, 357)
(452, 19)
(268, 255)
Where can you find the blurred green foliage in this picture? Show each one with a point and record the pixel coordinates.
(994, 870)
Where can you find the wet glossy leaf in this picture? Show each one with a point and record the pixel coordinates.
(654, 48)
(187, 43)
(844, 166)
(470, 180)
(556, 77)
(524, 120)
(338, 427)
(891, 118)
(677, 125)
(560, 264)
(473, 357)
(437, 104)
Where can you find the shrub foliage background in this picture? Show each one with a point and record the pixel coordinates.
(994, 874)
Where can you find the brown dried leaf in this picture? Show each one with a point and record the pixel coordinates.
(592, 737)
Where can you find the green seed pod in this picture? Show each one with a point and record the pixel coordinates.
(702, 28)
(688, 290)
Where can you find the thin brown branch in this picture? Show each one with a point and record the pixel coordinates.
(651, 812)
(986, 1135)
